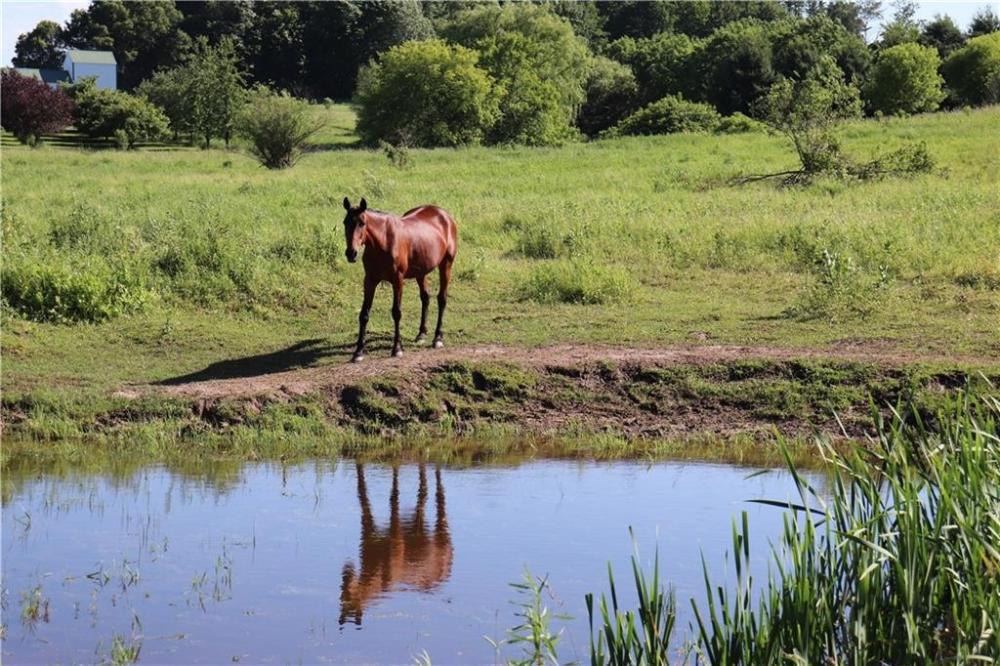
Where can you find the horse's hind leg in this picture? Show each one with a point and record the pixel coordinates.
(442, 301)
(397, 314)
(425, 299)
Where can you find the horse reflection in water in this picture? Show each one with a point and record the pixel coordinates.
(406, 553)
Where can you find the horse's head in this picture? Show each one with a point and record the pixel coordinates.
(354, 228)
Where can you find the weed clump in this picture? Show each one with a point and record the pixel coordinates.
(842, 290)
(577, 282)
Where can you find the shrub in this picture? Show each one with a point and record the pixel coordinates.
(277, 127)
(428, 93)
(808, 110)
(905, 80)
(611, 94)
(29, 108)
(670, 114)
(89, 289)
(738, 124)
(973, 72)
(103, 113)
(577, 282)
(842, 290)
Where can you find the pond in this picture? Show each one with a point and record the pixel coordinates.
(337, 561)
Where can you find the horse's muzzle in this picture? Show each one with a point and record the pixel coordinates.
(352, 255)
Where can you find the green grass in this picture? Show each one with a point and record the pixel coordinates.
(176, 259)
(897, 561)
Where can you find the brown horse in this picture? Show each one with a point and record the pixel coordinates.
(406, 553)
(397, 249)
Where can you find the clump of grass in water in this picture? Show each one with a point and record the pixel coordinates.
(899, 562)
(534, 633)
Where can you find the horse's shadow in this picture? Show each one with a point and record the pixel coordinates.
(302, 354)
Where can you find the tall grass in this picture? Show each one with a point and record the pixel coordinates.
(897, 563)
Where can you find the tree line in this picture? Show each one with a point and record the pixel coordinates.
(449, 73)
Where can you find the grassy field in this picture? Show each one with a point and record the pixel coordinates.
(187, 257)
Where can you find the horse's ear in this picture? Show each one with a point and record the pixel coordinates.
(363, 206)
(347, 204)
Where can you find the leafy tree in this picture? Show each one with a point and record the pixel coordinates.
(217, 89)
(637, 18)
(943, 35)
(668, 115)
(736, 66)
(905, 80)
(29, 108)
(663, 64)
(586, 19)
(973, 71)
(144, 36)
(611, 93)
(170, 90)
(218, 19)
(426, 93)
(984, 22)
(800, 45)
(341, 36)
(41, 47)
(277, 126)
(103, 113)
(275, 45)
(530, 112)
(903, 28)
(808, 110)
(528, 46)
(847, 15)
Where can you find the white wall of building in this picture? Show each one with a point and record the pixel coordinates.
(107, 75)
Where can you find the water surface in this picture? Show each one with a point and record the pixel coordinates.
(342, 562)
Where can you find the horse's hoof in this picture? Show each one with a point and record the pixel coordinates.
(398, 353)
(438, 343)
(420, 339)
(357, 358)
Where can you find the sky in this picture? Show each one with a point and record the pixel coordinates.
(18, 17)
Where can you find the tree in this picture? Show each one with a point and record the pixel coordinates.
(30, 109)
(973, 71)
(41, 47)
(663, 64)
(903, 28)
(799, 46)
(637, 18)
(104, 113)
(984, 22)
(170, 90)
(586, 19)
(736, 66)
(611, 94)
(426, 93)
(277, 127)
(144, 36)
(905, 80)
(942, 34)
(540, 67)
(808, 110)
(217, 90)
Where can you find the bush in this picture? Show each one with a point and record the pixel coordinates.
(29, 108)
(662, 64)
(611, 95)
(427, 94)
(102, 113)
(46, 289)
(738, 124)
(577, 282)
(905, 80)
(670, 114)
(808, 110)
(973, 72)
(539, 64)
(277, 127)
(842, 289)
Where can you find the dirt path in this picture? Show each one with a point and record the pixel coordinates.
(232, 380)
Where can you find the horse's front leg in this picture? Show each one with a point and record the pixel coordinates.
(397, 314)
(425, 300)
(366, 306)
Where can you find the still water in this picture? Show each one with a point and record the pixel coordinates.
(343, 562)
